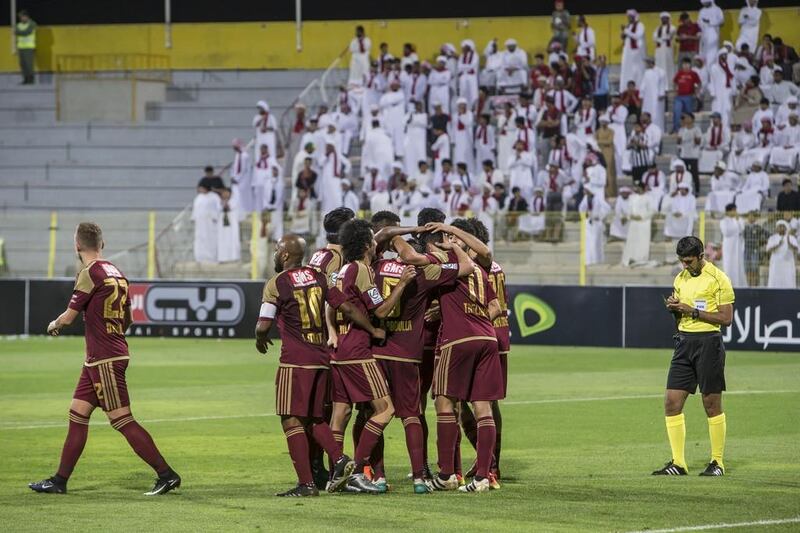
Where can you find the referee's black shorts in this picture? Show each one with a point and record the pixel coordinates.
(699, 359)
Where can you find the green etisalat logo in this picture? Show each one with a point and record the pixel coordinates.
(528, 302)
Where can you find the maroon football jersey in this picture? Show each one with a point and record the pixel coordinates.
(497, 278)
(404, 324)
(328, 261)
(299, 296)
(355, 283)
(464, 305)
(101, 293)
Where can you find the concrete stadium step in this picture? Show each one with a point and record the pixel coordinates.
(45, 114)
(193, 270)
(66, 197)
(254, 78)
(28, 96)
(274, 96)
(117, 155)
(200, 115)
(121, 134)
(143, 175)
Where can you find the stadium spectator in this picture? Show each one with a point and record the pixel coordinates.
(605, 141)
(689, 141)
(754, 189)
(653, 92)
(681, 213)
(585, 39)
(560, 24)
(781, 89)
(206, 210)
(723, 189)
(601, 88)
(416, 133)
(241, 176)
(732, 229)
(655, 186)
(513, 74)
(688, 36)
(229, 244)
(687, 85)
(639, 153)
(360, 48)
(749, 21)
(788, 198)
(266, 129)
(596, 209)
(619, 225)
(307, 179)
(663, 37)
(637, 244)
(747, 101)
(634, 50)
(710, 18)
(632, 100)
(468, 67)
(755, 238)
(25, 31)
(782, 247)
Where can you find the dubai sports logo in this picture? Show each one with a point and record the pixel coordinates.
(525, 302)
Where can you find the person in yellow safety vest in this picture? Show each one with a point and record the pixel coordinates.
(26, 45)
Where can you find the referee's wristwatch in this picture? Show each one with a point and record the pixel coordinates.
(695, 314)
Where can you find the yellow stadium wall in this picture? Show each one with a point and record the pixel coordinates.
(250, 45)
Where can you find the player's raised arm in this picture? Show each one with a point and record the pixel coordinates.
(407, 253)
(388, 233)
(482, 251)
(465, 265)
(361, 320)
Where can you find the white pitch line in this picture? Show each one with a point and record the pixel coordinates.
(634, 397)
(522, 402)
(794, 520)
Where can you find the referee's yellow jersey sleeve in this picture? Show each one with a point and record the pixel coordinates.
(726, 295)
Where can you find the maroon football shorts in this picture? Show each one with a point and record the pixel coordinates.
(504, 368)
(357, 381)
(301, 391)
(103, 385)
(469, 371)
(404, 383)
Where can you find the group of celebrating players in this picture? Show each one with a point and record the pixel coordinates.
(372, 320)
(376, 320)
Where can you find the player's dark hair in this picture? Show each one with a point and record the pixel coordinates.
(430, 214)
(89, 236)
(730, 207)
(333, 222)
(429, 237)
(689, 246)
(479, 229)
(355, 237)
(381, 219)
(462, 224)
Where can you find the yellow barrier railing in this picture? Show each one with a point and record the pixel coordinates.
(137, 65)
(51, 257)
(151, 245)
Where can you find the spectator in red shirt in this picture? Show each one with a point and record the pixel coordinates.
(688, 37)
(538, 69)
(632, 100)
(687, 84)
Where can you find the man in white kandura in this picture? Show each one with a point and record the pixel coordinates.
(653, 90)
(724, 185)
(664, 37)
(266, 128)
(732, 229)
(619, 226)
(634, 50)
(206, 211)
(468, 66)
(360, 48)
(782, 248)
(710, 19)
(722, 86)
(393, 114)
(749, 21)
(637, 245)
(681, 212)
(596, 209)
(229, 243)
(463, 125)
(415, 143)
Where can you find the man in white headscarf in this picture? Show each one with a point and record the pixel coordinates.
(266, 128)
(664, 37)
(754, 189)
(710, 20)
(360, 48)
(241, 176)
(439, 86)
(732, 229)
(596, 209)
(393, 114)
(637, 245)
(513, 74)
(723, 189)
(653, 90)
(679, 176)
(468, 66)
(749, 21)
(206, 210)
(488, 76)
(634, 50)
(463, 125)
(784, 154)
(782, 248)
(378, 150)
(681, 213)
(619, 226)
(722, 86)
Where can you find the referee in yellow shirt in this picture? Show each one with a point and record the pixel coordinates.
(701, 304)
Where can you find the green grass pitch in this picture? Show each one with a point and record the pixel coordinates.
(583, 428)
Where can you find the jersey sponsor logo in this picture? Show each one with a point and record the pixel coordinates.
(700, 305)
(450, 266)
(302, 278)
(375, 295)
(187, 304)
(392, 268)
(317, 258)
